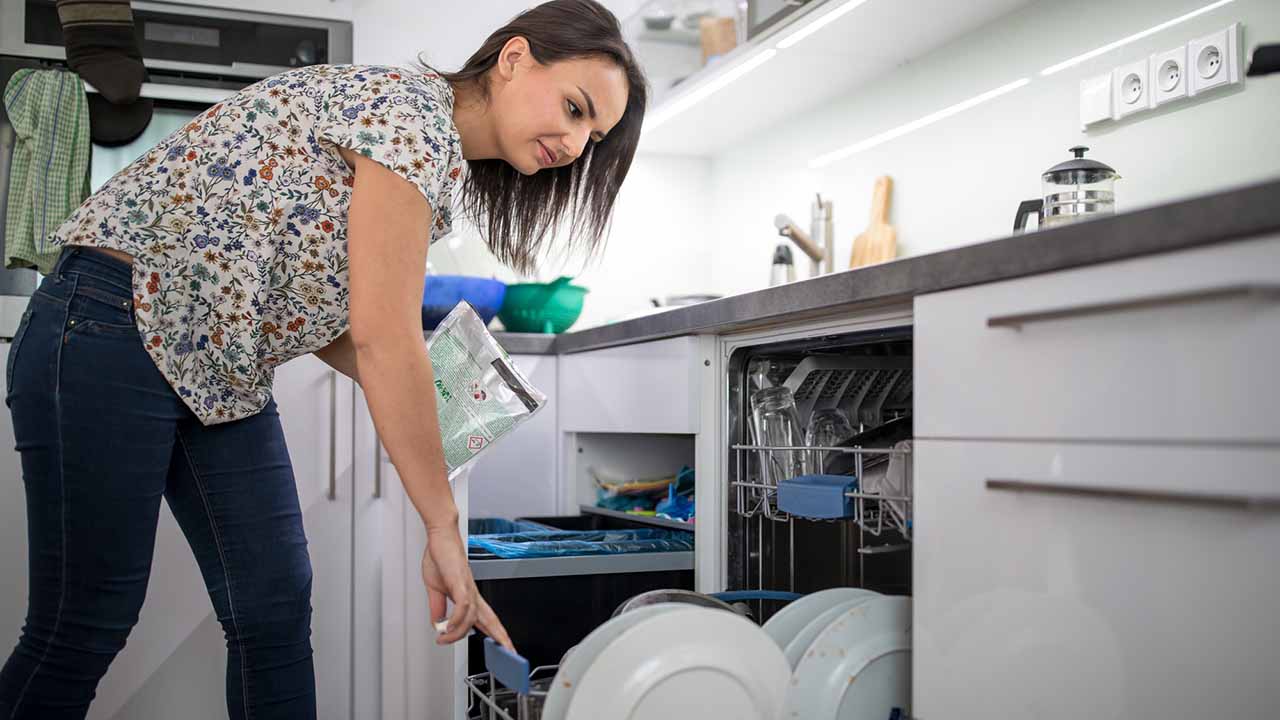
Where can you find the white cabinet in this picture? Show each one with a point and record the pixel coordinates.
(1180, 346)
(1095, 589)
(643, 388)
(419, 680)
(1097, 507)
(316, 409)
(517, 476)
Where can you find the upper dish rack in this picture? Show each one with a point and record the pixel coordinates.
(873, 511)
(869, 389)
(860, 386)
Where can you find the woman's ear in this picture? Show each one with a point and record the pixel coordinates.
(514, 54)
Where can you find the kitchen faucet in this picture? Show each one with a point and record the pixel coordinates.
(819, 242)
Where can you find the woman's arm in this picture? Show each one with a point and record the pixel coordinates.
(387, 238)
(388, 231)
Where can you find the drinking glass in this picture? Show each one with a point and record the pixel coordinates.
(828, 427)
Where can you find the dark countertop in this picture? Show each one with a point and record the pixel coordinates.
(1223, 216)
(527, 343)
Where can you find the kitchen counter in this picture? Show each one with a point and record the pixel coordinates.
(527, 343)
(1204, 220)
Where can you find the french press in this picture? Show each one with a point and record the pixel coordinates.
(1074, 190)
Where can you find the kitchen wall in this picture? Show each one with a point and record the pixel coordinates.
(959, 181)
(705, 224)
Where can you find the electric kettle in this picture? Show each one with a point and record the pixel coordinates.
(1074, 190)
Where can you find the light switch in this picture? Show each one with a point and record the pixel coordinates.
(1095, 100)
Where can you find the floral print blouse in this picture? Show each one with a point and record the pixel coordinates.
(237, 222)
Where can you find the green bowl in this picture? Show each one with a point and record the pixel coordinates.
(541, 307)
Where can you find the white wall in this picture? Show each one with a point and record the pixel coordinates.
(959, 181)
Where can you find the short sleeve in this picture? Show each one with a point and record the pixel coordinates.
(403, 120)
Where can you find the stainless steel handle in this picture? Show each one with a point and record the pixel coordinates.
(333, 435)
(1230, 292)
(1218, 500)
(377, 466)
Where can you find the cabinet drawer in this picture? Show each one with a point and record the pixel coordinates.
(648, 387)
(1182, 346)
(1036, 603)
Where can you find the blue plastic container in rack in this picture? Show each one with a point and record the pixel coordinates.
(817, 496)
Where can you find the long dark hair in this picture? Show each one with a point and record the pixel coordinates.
(517, 213)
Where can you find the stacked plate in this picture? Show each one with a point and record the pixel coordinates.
(849, 651)
(671, 660)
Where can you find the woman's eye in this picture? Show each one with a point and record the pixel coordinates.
(573, 109)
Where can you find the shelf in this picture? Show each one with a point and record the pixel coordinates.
(655, 521)
(861, 46)
(675, 35)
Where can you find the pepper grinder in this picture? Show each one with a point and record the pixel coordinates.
(783, 270)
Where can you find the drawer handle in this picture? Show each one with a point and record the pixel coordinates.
(1237, 502)
(333, 435)
(1263, 292)
(377, 466)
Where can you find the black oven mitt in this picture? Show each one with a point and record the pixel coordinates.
(102, 48)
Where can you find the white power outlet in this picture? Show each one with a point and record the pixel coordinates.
(1214, 60)
(1168, 76)
(1129, 88)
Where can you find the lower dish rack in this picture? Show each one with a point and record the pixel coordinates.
(509, 690)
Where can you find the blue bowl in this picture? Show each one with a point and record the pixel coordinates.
(442, 293)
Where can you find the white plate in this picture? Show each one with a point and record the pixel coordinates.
(799, 645)
(859, 667)
(576, 661)
(695, 663)
(788, 621)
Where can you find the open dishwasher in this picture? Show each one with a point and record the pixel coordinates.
(867, 378)
(771, 557)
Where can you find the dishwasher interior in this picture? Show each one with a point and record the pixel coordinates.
(867, 377)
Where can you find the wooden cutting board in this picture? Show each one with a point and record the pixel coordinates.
(879, 242)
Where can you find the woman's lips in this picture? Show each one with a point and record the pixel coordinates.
(545, 155)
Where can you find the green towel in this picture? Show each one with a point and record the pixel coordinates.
(49, 176)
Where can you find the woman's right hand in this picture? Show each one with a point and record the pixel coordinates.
(447, 575)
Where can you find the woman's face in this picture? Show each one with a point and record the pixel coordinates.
(544, 115)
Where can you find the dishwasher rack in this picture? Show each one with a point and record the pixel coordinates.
(873, 512)
(489, 699)
(888, 518)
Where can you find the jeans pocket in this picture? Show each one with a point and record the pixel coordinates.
(14, 346)
(94, 310)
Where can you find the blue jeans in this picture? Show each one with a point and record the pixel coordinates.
(103, 437)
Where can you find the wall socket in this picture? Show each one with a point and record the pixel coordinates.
(1130, 89)
(1203, 64)
(1214, 60)
(1168, 76)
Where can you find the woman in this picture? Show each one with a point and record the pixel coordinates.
(291, 218)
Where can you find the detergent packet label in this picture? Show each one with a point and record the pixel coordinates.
(480, 394)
